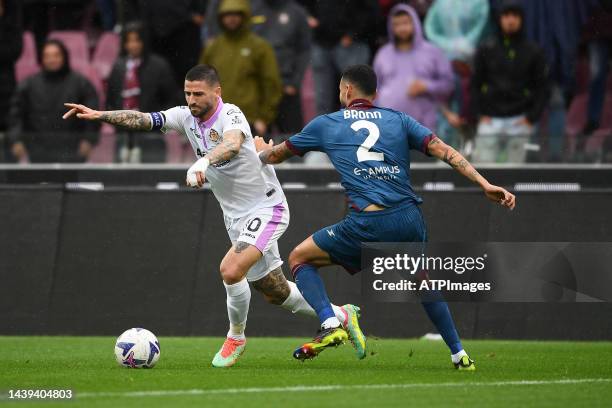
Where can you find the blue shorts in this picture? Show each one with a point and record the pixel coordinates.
(342, 241)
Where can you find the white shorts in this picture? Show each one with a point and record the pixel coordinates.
(262, 229)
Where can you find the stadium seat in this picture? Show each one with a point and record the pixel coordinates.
(576, 120)
(27, 64)
(91, 74)
(76, 43)
(106, 53)
(178, 149)
(309, 110)
(104, 151)
(576, 115)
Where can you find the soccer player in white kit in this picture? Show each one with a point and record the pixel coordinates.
(254, 206)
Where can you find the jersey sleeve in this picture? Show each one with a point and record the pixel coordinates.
(171, 119)
(309, 139)
(418, 135)
(234, 119)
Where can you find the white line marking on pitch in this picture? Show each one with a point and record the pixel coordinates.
(259, 390)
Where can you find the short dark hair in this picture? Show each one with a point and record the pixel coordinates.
(363, 77)
(203, 72)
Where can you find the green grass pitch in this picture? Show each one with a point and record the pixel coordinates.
(397, 373)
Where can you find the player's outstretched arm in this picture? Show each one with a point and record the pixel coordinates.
(270, 154)
(128, 119)
(453, 158)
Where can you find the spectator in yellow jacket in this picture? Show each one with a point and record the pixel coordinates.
(246, 64)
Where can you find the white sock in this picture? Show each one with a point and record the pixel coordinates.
(331, 322)
(457, 357)
(238, 299)
(296, 303)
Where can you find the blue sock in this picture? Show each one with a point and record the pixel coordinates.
(441, 318)
(311, 285)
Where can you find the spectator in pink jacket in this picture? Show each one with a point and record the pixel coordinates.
(414, 76)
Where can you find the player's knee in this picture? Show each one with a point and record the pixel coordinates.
(296, 257)
(230, 273)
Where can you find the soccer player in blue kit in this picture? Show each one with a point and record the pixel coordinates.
(370, 147)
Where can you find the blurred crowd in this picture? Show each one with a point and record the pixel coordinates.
(504, 81)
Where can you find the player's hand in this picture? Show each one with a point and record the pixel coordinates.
(195, 180)
(454, 119)
(19, 151)
(261, 145)
(417, 88)
(485, 119)
(85, 148)
(312, 22)
(346, 41)
(260, 127)
(290, 90)
(81, 112)
(197, 19)
(196, 175)
(500, 196)
(524, 122)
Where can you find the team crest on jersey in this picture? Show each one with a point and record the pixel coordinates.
(214, 135)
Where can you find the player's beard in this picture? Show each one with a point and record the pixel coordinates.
(202, 112)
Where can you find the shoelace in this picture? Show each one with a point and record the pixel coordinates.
(229, 345)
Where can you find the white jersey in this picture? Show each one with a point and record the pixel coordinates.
(241, 184)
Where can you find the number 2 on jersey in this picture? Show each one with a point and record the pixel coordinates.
(363, 152)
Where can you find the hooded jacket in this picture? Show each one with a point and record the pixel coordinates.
(456, 26)
(36, 114)
(397, 69)
(247, 67)
(510, 75)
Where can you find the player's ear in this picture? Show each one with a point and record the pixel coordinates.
(218, 90)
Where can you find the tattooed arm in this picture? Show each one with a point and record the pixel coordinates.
(453, 158)
(270, 154)
(128, 119)
(228, 148)
(437, 148)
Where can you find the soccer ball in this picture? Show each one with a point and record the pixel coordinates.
(137, 348)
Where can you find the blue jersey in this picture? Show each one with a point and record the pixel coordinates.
(370, 148)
